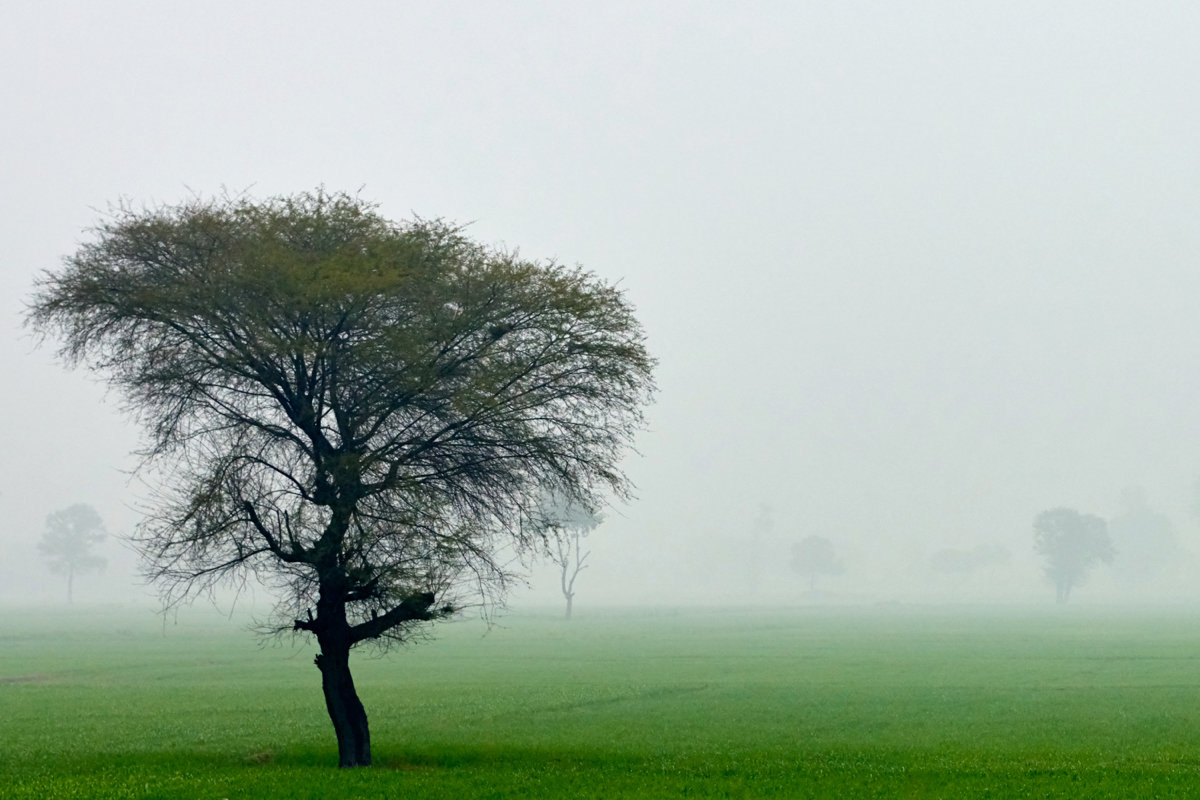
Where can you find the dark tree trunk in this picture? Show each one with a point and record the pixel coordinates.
(341, 700)
(346, 711)
(570, 597)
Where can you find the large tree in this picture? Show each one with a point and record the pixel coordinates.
(360, 413)
(67, 543)
(1071, 544)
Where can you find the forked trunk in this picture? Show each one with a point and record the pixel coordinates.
(345, 709)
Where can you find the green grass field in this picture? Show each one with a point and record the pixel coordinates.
(800, 703)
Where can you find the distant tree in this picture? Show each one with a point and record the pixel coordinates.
(814, 556)
(67, 543)
(356, 412)
(568, 524)
(1145, 538)
(1071, 544)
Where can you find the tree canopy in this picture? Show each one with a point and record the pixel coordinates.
(814, 556)
(358, 412)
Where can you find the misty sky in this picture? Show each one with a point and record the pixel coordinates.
(914, 272)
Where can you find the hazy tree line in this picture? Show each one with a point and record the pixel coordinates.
(1138, 544)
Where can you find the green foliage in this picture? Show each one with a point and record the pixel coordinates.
(346, 406)
(790, 704)
(360, 414)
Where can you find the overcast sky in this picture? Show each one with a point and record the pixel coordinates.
(913, 271)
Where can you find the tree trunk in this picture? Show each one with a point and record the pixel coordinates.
(570, 597)
(345, 709)
(1064, 591)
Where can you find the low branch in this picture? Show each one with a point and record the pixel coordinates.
(414, 608)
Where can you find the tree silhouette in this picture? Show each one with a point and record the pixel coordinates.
(67, 543)
(1071, 544)
(569, 524)
(814, 556)
(359, 413)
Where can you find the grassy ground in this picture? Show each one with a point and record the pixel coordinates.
(772, 704)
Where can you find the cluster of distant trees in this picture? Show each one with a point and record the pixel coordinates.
(1070, 543)
(1139, 542)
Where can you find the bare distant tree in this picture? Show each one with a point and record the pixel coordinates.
(569, 524)
(570, 557)
(67, 543)
(814, 556)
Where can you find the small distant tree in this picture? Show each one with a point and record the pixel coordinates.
(570, 523)
(67, 543)
(1071, 544)
(814, 556)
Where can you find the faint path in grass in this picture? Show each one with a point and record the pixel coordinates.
(660, 693)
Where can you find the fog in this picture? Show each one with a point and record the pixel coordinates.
(913, 272)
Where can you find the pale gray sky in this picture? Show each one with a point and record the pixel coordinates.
(914, 272)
